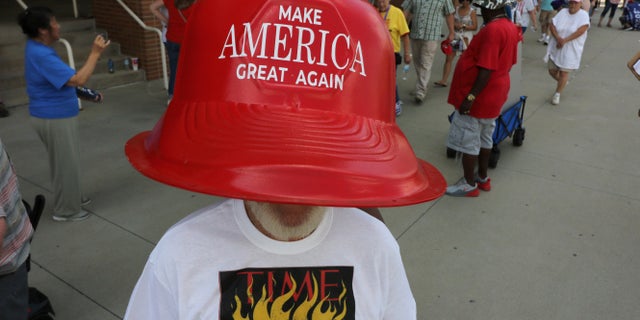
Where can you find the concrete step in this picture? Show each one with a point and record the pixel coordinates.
(81, 42)
(119, 77)
(12, 33)
(17, 96)
(80, 33)
(81, 52)
(14, 62)
(13, 75)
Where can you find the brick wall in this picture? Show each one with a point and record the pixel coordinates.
(134, 41)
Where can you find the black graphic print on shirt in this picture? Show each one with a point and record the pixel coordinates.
(309, 293)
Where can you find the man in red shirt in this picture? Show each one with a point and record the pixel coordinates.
(479, 89)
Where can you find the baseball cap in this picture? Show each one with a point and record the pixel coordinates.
(492, 4)
(446, 47)
(288, 102)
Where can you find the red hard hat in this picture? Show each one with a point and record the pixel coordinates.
(446, 47)
(289, 102)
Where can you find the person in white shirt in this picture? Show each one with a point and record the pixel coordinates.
(569, 33)
(524, 13)
(239, 255)
(283, 108)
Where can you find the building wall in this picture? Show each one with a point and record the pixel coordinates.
(134, 41)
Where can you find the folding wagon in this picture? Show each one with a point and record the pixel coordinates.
(508, 124)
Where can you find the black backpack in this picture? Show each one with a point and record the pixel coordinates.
(39, 306)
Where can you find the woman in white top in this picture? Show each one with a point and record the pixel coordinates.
(569, 33)
(524, 13)
(465, 23)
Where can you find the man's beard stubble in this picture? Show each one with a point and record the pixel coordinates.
(284, 222)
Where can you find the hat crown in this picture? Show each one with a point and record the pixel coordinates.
(286, 101)
(312, 54)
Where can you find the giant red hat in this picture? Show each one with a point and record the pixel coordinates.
(290, 102)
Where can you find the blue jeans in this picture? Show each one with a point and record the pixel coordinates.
(173, 51)
(608, 5)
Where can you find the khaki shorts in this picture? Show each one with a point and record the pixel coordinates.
(546, 16)
(468, 134)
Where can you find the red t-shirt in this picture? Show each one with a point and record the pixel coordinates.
(494, 47)
(177, 22)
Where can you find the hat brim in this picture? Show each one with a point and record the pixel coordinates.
(264, 153)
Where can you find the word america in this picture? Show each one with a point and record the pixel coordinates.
(313, 47)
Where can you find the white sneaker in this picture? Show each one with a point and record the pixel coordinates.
(555, 99)
(463, 189)
(542, 37)
(82, 215)
(546, 40)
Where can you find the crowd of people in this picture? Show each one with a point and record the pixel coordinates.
(563, 27)
(276, 228)
(294, 189)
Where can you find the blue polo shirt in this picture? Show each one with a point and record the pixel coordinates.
(46, 75)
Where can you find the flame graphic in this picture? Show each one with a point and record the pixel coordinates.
(265, 310)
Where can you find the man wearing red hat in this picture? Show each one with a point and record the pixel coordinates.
(479, 89)
(269, 111)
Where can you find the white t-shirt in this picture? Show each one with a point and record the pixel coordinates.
(569, 56)
(215, 264)
(521, 12)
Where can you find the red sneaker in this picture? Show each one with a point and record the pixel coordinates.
(483, 184)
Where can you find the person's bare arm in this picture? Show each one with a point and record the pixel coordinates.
(407, 48)
(474, 20)
(155, 9)
(450, 25)
(573, 36)
(532, 18)
(82, 75)
(479, 84)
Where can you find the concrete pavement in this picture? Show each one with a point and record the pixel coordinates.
(558, 236)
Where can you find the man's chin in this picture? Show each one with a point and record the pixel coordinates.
(285, 221)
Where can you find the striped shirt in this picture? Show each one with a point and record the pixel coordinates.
(427, 17)
(15, 244)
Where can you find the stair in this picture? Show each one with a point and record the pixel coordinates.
(80, 33)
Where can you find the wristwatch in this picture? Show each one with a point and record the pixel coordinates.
(471, 97)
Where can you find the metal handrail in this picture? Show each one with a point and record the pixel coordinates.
(156, 30)
(75, 7)
(72, 62)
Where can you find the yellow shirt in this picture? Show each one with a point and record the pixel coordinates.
(397, 25)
